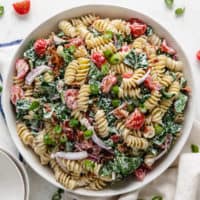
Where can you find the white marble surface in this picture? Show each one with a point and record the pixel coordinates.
(184, 28)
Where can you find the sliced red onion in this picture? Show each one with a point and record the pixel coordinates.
(99, 142)
(143, 78)
(95, 138)
(36, 72)
(58, 40)
(70, 155)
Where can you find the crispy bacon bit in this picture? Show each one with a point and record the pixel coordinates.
(135, 120)
(122, 148)
(71, 98)
(125, 48)
(67, 130)
(119, 113)
(107, 83)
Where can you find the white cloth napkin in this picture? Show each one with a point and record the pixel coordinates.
(165, 185)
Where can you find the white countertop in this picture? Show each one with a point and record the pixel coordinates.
(185, 29)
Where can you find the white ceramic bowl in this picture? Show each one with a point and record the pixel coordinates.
(51, 25)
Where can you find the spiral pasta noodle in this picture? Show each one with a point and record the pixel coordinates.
(85, 20)
(83, 98)
(101, 123)
(67, 28)
(24, 134)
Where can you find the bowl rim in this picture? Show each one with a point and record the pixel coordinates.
(158, 170)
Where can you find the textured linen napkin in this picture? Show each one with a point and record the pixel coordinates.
(164, 186)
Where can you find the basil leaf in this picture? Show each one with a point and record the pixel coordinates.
(135, 60)
(1, 10)
(169, 3)
(180, 103)
(179, 11)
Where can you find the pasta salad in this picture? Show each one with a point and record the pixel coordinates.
(100, 100)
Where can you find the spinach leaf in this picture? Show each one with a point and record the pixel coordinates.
(121, 165)
(119, 41)
(136, 60)
(180, 103)
(22, 107)
(105, 104)
(62, 112)
(67, 55)
(149, 31)
(95, 74)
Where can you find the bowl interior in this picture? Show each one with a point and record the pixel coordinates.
(112, 12)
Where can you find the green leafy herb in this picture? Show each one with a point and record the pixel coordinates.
(1, 88)
(62, 112)
(105, 104)
(1, 10)
(95, 74)
(58, 195)
(179, 11)
(169, 3)
(180, 103)
(194, 148)
(136, 60)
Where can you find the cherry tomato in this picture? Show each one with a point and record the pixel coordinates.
(98, 59)
(133, 20)
(71, 98)
(140, 173)
(137, 27)
(22, 68)
(149, 83)
(22, 7)
(74, 41)
(107, 83)
(16, 94)
(127, 75)
(40, 46)
(165, 48)
(135, 120)
(198, 55)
